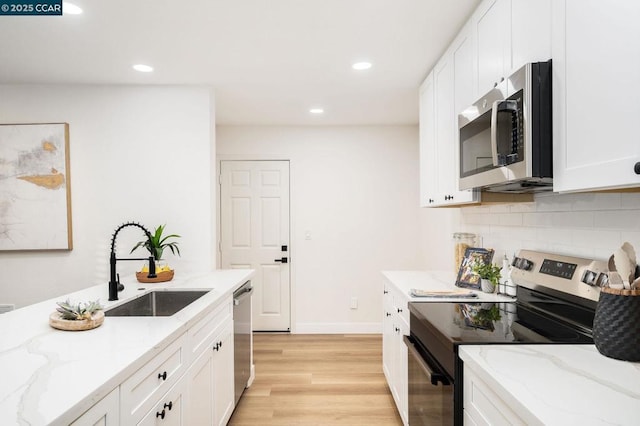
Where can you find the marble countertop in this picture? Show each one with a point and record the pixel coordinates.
(50, 376)
(436, 281)
(559, 384)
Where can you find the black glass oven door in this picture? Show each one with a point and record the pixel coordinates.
(430, 399)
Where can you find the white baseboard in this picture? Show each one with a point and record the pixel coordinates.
(338, 328)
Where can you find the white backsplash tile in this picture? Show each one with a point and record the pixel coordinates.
(586, 225)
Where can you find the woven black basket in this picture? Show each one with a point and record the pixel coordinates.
(616, 326)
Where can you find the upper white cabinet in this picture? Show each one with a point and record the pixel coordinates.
(449, 86)
(493, 32)
(530, 32)
(596, 84)
(509, 34)
(428, 152)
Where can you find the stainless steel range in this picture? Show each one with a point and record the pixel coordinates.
(556, 301)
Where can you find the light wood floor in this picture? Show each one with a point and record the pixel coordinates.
(317, 380)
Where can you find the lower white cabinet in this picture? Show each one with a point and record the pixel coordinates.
(170, 409)
(104, 413)
(395, 321)
(210, 381)
(483, 406)
(189, 382)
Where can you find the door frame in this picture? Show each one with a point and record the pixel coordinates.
(218, 241)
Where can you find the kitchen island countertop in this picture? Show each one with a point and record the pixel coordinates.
(559, 384)
(51, 376)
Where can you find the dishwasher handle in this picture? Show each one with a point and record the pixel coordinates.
(240, 296)
(434, 377)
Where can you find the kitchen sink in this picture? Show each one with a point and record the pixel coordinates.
(156, 303)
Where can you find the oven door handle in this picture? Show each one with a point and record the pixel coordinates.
(433, 376)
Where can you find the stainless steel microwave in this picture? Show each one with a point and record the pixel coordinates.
(506, 136)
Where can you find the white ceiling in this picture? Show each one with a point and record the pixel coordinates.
(268, 61)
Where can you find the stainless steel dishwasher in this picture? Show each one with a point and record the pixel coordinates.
(242, 338)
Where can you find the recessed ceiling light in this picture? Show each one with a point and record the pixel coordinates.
(71, 9)
(143, 68)
(361, 66)
(316, 111)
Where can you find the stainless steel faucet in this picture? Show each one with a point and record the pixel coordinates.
(114, 281)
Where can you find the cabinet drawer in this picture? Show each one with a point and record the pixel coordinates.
(169, 410)
(141, 391)
(201, 335)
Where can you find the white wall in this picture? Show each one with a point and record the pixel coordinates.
(583, 225)
(355, 189)
(137, 153)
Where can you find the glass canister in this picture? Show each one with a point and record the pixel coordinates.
(461, 241)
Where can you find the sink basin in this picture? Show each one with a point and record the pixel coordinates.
(157, 303)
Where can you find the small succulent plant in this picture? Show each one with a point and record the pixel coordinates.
(78, 312)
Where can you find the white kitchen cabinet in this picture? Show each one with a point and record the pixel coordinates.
(510, 33)
(493, 31)
(530, 32)
(142, 390)
(223, 377)
(428, 151)
(596, 58)
(210, 380)
(394, 352)
(169, 410)
(440, 96)
(105, 412)
(482, 405)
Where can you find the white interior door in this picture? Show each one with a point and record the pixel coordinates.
(254, 233)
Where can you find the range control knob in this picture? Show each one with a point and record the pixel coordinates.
(522, 263)
(589, 277)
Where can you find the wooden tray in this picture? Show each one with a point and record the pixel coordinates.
(76, 325)
(162, 277)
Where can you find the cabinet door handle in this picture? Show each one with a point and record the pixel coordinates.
(283, 260)
(169, 405)
(388, 314)
(160, 414)
(162, 375)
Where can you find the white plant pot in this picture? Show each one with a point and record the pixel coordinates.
(487, 286)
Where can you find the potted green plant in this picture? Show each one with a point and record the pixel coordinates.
(158, 243)
(489, 275)
(156, 246)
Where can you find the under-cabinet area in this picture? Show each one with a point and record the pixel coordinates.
(129, 370)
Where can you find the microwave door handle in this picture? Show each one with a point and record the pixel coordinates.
(500, 159)
(494, 134)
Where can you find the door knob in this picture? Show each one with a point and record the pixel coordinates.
(283, 260)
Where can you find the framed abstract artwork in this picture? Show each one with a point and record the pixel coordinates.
(35, 191)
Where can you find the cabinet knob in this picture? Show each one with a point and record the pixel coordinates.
(162, 375)
(385, 292)
(399, 310)
(160, 414)
(397, 329)
(636, 168)
(169, 405)
(388, 314)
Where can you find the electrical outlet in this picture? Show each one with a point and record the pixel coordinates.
(6, 308)
(354, 303)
